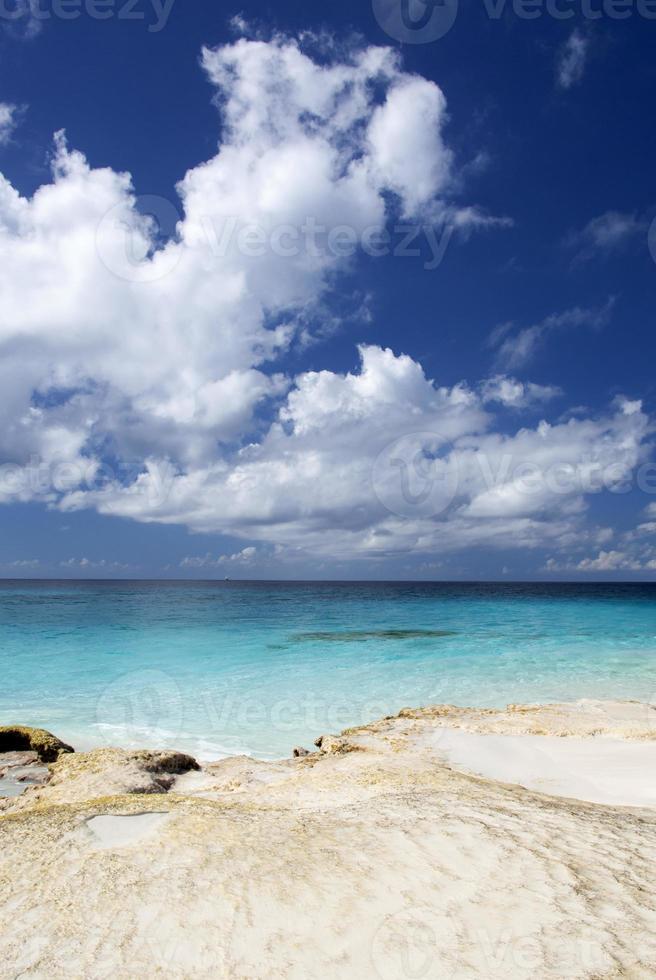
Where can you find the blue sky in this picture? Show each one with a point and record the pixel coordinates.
(180, 401)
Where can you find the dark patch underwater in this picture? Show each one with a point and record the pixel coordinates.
(355, 636)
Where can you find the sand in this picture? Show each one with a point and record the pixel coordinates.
(601, 770)
(377, 856)
(112, 831)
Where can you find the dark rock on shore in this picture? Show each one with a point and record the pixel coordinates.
(21, 738)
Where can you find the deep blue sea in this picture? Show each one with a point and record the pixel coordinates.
(227, 667)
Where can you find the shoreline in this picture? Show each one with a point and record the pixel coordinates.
(471, 739)
(479, 718)
(375, 855)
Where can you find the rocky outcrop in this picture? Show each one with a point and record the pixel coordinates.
(21, 738)
(109, 772)
(336, 745)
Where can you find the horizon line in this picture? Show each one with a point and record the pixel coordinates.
(338, 581)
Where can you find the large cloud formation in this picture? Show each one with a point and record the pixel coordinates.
(141, 376)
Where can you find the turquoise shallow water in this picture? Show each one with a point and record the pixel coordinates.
(216, 668)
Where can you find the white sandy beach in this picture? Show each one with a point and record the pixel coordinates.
(600, 770)
(443, 842)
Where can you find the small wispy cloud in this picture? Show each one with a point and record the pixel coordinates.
(88, 564)
(571, 59)
(634, 551)
(608, 232)
(604, 561)
(515, 394)
(243, 557)
(515, 348)
(619, 560)
(8, 119)
(26, 20)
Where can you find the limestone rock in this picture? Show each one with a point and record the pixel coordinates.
(335, 745)
(355, 866)
(109, 772)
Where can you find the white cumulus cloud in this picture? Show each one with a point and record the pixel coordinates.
(114, 345)
(143, 374)
(383, 460)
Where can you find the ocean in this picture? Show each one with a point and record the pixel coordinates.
(216, 668)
